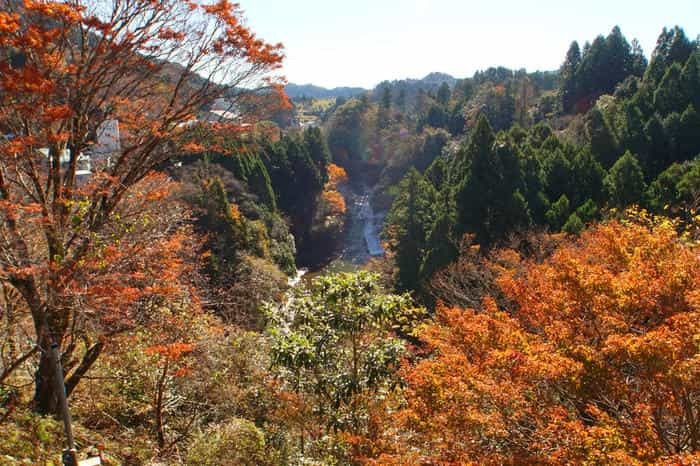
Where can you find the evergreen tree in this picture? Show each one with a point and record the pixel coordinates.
(533, 180)
(677, 189)
(412, 215)
(573, 225)
(689, 188)
(488, 204)
(456, 120)
(317, 147)
(618, 61)
(663, 192)
(437, 173)
(688, 134)
(590, 76)
(441, 246)
(603, 142)
(625, 181)
(639, 61)
(558, 213)
(603, 64)
(587, 178)
(633, 136)
(386, 97)
(587, 212)
(659, 147)
(690, 80)
(430, 148)
(559, 174)
(670, 96)
(444, 93)
(672, 46)
(401, 99)
(672, 129)
(437, 118)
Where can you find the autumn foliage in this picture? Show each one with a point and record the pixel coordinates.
(598, 364)
(333, 202)
(87, 249)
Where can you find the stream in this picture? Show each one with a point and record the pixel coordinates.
(361, 240)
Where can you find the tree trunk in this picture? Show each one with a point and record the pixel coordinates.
(45, 400)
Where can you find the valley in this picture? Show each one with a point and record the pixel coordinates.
(203, 263)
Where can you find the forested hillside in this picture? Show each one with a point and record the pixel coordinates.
(199, 268)
(506, 152)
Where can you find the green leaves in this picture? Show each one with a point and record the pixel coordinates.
(333, 341)
(625, 182)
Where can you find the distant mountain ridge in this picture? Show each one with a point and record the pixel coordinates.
(433, 80)
(296, 91)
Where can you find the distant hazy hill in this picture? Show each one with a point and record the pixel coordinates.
(431, 81)
(411, 87)
(296, 91)
(436, 79)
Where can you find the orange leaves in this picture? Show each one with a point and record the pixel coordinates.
(171, 34)
(616, 278)
(239, 38)
(193, 148)
(9, 23)
(171, 352)
(598, 362)
(477, 390)
(97, 232)
(235, 212)
(57, 112)
(27, 80)
(335, 202)
(336, 175)
(57, 10)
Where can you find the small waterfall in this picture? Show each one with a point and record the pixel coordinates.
(295, 280)
(370, 229)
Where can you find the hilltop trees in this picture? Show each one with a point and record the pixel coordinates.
(68, 246)
(672, 46)
(602, 65)
(569, 88)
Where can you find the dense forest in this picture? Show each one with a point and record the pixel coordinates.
(182, 292)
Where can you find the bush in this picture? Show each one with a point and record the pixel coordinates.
(237, 442)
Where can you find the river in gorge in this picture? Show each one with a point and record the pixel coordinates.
(361, 240)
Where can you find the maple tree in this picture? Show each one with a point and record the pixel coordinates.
(333, 201)
(171, 356)
(596, 364)
(69, 246)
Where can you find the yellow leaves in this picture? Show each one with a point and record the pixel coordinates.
(235, 212)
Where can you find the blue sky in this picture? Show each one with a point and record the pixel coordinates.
(362, 42)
